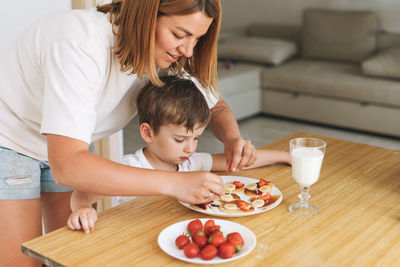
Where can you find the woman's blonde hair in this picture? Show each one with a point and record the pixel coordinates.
(134, 24)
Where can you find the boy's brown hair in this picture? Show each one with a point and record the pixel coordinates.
(178, 102)
(134, 23)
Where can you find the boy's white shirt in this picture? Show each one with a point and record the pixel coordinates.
(196, 162)
(61, 77)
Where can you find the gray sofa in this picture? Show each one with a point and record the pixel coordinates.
(338, 69)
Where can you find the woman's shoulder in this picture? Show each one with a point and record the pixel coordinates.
(85, 24)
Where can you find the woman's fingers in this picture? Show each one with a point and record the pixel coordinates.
(248, 155)
(197, 187)
(218, 189)
(236, 157)
(240, 153)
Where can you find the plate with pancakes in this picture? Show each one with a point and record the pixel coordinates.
(244, 196)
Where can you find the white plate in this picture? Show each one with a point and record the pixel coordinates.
(166, 240)
(214, 211)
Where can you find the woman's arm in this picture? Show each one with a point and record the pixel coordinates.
(72, 165)
(265, 157)
(239, 152)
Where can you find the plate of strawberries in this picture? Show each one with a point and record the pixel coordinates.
(207, 241)
(243, 196)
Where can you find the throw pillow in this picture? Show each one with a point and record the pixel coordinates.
(385, 64)
(256, 49)
(339, 35)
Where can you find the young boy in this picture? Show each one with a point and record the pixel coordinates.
(172, 118)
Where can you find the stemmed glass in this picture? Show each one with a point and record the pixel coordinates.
(306, 155)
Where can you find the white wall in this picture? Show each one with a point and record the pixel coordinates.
(238, 13)
(16, 15)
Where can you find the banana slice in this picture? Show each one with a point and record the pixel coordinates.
(231, 206)
(265, 188)
(229, 187)
(227, 198)
(252, 187)
(257, 203)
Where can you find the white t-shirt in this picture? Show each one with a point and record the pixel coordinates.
(196, 162)
(61, 77)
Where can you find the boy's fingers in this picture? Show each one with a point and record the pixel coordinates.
(75, 222)
(92, 219)
(70, 225)
(84, 222)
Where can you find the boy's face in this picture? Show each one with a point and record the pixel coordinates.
(174, 144)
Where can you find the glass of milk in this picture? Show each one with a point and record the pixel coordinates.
(306, 155)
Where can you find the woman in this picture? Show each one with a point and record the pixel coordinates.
(71, 79)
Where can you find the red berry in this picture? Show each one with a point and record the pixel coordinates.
(181, 241)
(216, 239)
(226, 250)
(209, 252)
(191, 250)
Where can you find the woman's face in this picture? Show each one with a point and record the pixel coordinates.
(176, 36)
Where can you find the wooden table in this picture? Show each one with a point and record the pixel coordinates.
(358, 223)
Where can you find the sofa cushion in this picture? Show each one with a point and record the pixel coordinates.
(238, 78)
(385, 64)
(331, 79)
(255, 49)
(340, 35)
(277, 31)
(387, 40)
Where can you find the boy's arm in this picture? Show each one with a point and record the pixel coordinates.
(265, 157)
(81, 199)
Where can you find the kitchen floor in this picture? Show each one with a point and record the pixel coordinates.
(263, 129)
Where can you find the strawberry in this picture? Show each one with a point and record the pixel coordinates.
(238, 184)
(209, 223)
(209, 230)
(209, 252)
(243, 205)
(235, 241)
(235, 235)
(194, 226)
(200, 239)
(216, 239)
(265, 197)
(226, 250)
(262, 182)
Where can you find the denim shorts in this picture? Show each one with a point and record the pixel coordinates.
(22, 177)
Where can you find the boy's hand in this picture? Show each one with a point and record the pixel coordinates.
(84, 219)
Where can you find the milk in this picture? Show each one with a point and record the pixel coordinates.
(306, 164)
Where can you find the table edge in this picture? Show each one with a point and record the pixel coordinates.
(33, 254)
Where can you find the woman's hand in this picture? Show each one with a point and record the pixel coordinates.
(197, 187)
(83, 219)
(239, 153)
